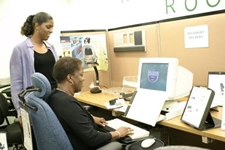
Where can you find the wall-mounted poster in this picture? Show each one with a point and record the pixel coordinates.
(66, 46)
(90, 49)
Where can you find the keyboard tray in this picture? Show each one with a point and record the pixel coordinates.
(126, 139)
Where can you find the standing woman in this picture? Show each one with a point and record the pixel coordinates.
(32, 55)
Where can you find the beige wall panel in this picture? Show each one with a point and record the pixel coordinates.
(126, 63)
(197, 60)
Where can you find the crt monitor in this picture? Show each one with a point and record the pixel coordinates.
(165, 75)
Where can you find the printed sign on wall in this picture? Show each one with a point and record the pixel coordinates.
(196, 36)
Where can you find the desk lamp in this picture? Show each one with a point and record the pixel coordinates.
(96, 89)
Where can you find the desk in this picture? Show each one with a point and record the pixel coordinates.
(100, 99)
(216, 133)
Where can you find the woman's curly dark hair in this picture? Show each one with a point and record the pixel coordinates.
(64, 66)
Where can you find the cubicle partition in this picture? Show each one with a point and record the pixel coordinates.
(126, 63)
(165, 38)
(198, 60)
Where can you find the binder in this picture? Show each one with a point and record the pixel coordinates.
(197, 109)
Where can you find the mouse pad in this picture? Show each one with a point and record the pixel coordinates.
(137, 145)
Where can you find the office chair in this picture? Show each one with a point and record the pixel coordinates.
(6, 91)
(13, 131)
(48, 132)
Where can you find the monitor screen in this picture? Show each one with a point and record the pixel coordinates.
(154, 76)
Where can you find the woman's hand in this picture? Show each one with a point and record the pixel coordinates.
(20, 121)
(121, 132)
(124, 131)
(99, 121)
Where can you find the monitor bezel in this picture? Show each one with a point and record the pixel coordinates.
(173, 64)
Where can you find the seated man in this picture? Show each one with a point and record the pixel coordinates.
(79, 125)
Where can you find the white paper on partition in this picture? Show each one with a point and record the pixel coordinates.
(196, 36)
(3, 141)
(26, 129)
(146, 107)
(216, 82)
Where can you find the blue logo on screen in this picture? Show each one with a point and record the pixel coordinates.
(153, 76)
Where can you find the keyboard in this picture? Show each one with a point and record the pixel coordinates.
(137, 131)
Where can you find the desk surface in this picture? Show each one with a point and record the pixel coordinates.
(100, 99)
(215, 133)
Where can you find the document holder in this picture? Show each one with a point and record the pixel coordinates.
(145, 107)
(197, 109)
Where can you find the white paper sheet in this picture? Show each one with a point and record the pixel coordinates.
(26, 129)
(216, 82)
(146, 107)
(3, 141)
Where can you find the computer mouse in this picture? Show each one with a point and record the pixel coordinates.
(147, 143)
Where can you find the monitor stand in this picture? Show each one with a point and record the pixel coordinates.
(173, 108)
(169, 104)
